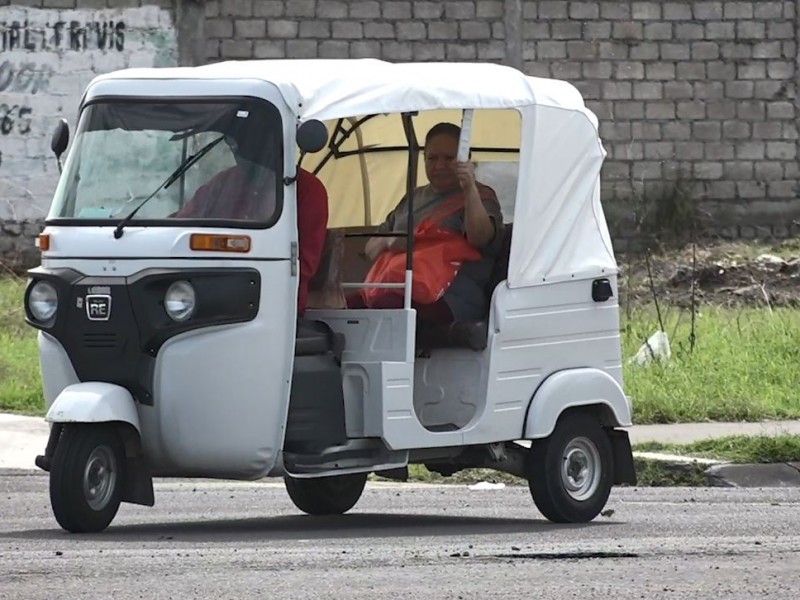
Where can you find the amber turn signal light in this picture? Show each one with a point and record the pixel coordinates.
(44, 242)
(219, 242)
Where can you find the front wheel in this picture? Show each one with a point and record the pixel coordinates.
(86, 477)
(326, 495)
(570, 473)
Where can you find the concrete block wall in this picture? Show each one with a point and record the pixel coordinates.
(394, 30)
(700, 91)
(693, 95)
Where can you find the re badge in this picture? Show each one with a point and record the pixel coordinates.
(98, 307)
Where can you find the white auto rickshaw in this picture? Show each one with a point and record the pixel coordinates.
(169, 344)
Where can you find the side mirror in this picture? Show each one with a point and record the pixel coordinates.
(312, 136)
(60, 140)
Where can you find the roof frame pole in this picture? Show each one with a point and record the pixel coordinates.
(335, 144)
(411, 184)
(362, 162)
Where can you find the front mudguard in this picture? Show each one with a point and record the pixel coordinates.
(94, 403)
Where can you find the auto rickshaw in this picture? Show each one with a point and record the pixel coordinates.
(169, 340)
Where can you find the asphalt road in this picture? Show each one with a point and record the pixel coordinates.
(230, 540)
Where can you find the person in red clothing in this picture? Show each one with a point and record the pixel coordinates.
(247, 191)
(240, 192)
(312, 230)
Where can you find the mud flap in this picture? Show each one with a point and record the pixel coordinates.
(138, 483)
(624, 470)
(43, 461)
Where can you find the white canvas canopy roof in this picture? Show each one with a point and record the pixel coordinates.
(559, 226)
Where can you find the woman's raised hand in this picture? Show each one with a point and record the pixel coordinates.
(466, 174)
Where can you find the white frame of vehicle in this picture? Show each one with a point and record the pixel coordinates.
(550, 373)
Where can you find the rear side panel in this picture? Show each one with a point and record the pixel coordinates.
(537, 331)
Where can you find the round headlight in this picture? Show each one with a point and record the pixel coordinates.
(179, 301)
(43, 301)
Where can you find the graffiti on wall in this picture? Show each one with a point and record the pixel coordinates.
(47, 58)
(61, 35)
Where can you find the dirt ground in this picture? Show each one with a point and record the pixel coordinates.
(732, 274)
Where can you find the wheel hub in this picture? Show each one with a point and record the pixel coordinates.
(580, 468)
(100, 477)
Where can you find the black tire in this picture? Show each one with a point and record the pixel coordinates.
(326, 495)
(87, 477)
(560, 493)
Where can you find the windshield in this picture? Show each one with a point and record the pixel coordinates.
(124, 151)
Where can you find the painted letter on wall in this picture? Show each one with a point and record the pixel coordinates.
(47, 57)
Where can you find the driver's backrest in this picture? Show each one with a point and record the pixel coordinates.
(325, 288)
(500, 268)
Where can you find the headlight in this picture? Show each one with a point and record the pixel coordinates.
(179, 301)
(43, 301)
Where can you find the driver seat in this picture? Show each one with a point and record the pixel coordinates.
(316, 337)
(316, 418)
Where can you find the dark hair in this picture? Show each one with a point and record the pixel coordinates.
(448, 129)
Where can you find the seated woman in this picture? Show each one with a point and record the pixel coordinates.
(476, 216)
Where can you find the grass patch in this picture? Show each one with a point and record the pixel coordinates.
(465, 477)
(738, 250)
(419, 474)
(744, 366)
(735, 448)
(786, 249)
(20, 379)
(653, 473)
(649, 473)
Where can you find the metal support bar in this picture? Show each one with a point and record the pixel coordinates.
(411, 184)
(387, 286)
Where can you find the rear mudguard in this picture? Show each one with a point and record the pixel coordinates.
(573, 388)
(595, 390)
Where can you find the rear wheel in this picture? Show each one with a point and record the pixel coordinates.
(570, 473)
(86, 477)
(326, 495)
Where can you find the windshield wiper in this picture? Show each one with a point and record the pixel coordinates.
(182, 168)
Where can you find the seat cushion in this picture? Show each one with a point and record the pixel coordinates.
(316, 337)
